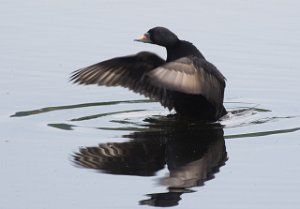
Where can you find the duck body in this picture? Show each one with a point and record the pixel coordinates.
(194, 106)
(185, 81)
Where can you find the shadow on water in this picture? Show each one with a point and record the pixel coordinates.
(192, 152)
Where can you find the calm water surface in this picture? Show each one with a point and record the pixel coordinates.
(68, 146)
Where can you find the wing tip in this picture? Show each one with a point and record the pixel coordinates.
(75, 77)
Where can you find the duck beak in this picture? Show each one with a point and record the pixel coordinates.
(144, 38)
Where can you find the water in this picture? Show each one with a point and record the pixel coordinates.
(69, 146)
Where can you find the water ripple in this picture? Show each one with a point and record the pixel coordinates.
(132, 118)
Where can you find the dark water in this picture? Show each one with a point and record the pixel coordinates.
(68, 146)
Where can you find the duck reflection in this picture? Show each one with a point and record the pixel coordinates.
(192, 152)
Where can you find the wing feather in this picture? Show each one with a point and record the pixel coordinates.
(129, 72)
(191, 75)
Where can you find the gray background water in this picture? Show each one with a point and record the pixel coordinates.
(255, 44)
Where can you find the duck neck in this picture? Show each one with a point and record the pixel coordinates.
(182, 49)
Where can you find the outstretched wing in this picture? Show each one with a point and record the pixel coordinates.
(148, 74)
(124, 71)
(129, 72)
(191, 75)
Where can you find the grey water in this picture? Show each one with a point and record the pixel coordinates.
(69, 146)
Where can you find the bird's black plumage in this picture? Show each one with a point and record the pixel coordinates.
(185, 82)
